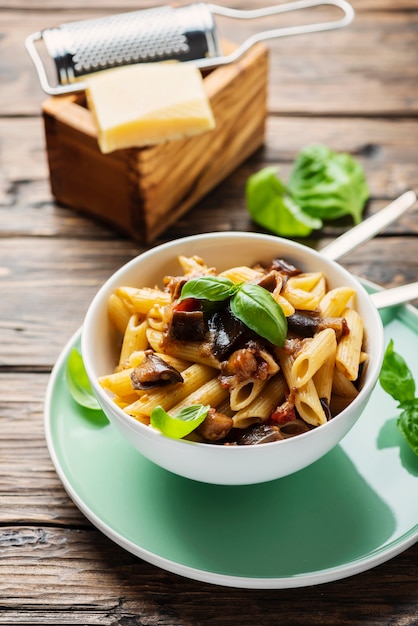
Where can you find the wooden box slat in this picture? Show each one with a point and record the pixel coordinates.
(142, 191)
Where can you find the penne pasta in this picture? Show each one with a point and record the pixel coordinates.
(300, 299)
(211, 393)
(216, 360)
(225, 407)
(155, 317)
(119, 313)
(287, 308)
(261, 407)
(349, 346)
(306, 281)
(119, 383)
(335, 301)
(309, 405)
(187, 351)
(242, 394)
(305, 290)
(307, 400)
(193, 265)
(135, 358)
(242, 273)
(319, 290)
(125, 401)
(324, 376)
(143, 299)
(363, 357)
(343, 387)
(313, 355)
(134, 339)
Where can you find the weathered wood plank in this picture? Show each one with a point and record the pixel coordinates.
(378, 77)
(50, 306)
(31, 492)
(223, 209)
(50, 506)
(132, 591)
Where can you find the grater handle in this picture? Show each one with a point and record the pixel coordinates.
(297, 5)
(30, 45)
(213, 62)
(276, 32)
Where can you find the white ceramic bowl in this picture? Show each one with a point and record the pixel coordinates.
(229, 465)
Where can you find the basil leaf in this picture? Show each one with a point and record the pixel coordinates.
(328, 185)
(258, 310)
(407, 423)
(187, 420)
(271, 207)
(397, 380)
(395, 376)
(294, 218)
(78, 382)
(213, 288)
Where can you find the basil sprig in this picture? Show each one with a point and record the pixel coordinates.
(251, 304)
(177, 427)
(323, 185)
(397, 380)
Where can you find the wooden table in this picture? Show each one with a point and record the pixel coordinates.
(355, 90)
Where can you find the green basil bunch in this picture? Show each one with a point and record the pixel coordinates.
(323, 185)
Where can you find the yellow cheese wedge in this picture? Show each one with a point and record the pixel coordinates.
(148, 103)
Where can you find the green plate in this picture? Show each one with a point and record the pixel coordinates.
(348, 512)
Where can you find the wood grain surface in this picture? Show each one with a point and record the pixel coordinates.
(355, 90)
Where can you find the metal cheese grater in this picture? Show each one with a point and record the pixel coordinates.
(187, 33)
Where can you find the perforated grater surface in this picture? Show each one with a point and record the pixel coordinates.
(187, 33)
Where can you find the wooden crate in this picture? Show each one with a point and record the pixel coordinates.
(142, 191)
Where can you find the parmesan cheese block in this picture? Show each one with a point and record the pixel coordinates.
(146, 104)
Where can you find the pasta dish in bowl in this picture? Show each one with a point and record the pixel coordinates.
(232, 358)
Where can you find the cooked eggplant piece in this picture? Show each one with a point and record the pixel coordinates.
(338, 324)
(249, 362)
(153, 372)
(303, 325)
(271, 281)
(242, 364)
(215, 426)
(225, 331)
(284, 267)
(175, 284)
(259, 433)
(291, 429)
(307, 324)
(187, 325)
